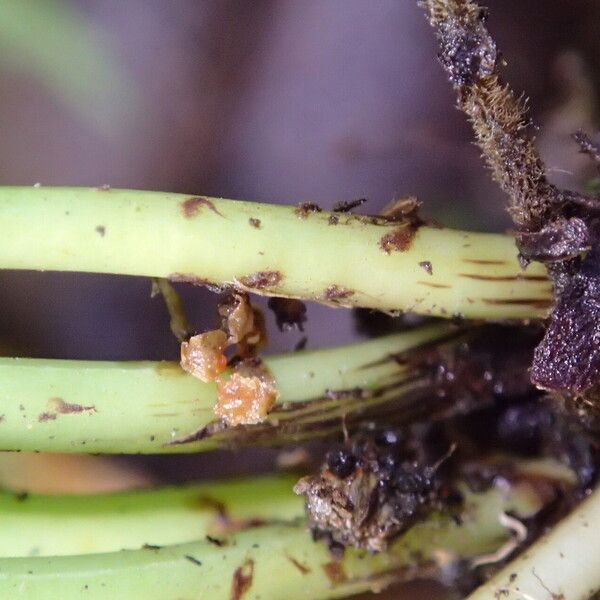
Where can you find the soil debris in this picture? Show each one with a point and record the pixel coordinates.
(368, 493)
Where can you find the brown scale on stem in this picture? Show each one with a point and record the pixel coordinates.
(560, 228)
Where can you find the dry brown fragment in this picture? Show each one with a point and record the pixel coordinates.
(244, 324)
(191, 207)
(402, 209)
(202, 355)
(399, 239)
(305, 208)
(246, 397)
(261, 279)
(336, 293)
(238, 317)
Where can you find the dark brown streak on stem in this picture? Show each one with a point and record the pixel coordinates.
(434, 285)
(521, 277)
(481, 261)
(301, 567)
(535, 302)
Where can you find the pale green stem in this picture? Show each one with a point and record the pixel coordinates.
(562, 565)
(35, 525)
(131, 407)
(284, 561)
(269, 250)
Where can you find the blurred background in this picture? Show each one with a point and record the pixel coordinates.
(273, 101)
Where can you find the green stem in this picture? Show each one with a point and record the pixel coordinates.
(269, 250)
(36, 525)
(283, 561)
(142, 407)
(561, 565)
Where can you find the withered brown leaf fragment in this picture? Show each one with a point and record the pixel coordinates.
(237, 316)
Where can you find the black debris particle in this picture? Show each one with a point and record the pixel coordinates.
(347, 205)
(254, 222)
(289, 313)
(193, 560)
(426, 266)
(101, 230)
(301, 345)
(215, 541)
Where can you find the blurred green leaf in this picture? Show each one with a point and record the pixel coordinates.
(52, 41)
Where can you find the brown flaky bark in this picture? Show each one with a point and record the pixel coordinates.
(560, 228)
